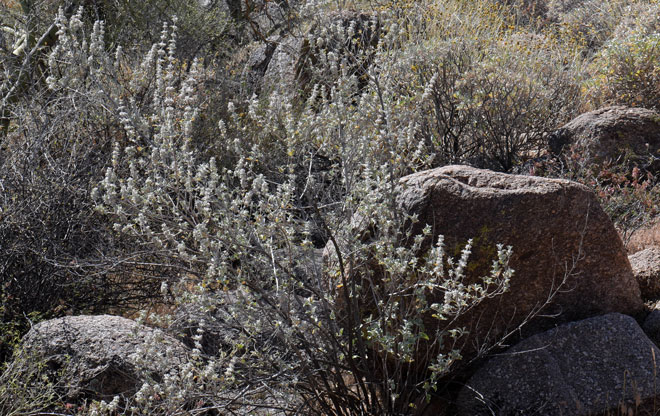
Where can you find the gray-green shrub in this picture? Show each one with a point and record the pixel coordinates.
(237, 234)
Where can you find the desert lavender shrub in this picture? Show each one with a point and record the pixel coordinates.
(240, 236)
(235, 238)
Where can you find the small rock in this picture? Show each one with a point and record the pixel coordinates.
(646, 268)
(102, 356)
(651, 326)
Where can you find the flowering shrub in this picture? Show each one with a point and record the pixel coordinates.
(590, 23)
(237, 235)
(58, 144)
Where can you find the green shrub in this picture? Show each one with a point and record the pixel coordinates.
(26, 388)
(487, 104)
(627, 71)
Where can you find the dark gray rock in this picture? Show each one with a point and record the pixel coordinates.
(102, 356)
(587, 367)
(651, 326)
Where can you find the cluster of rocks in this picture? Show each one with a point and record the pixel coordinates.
(606, 363)
(582, 350)
(578, 295)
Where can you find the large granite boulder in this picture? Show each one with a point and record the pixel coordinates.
(568, 259)
(646, 269)
(596, 366)
(566, 252)
(611, 134)
(102, 356)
